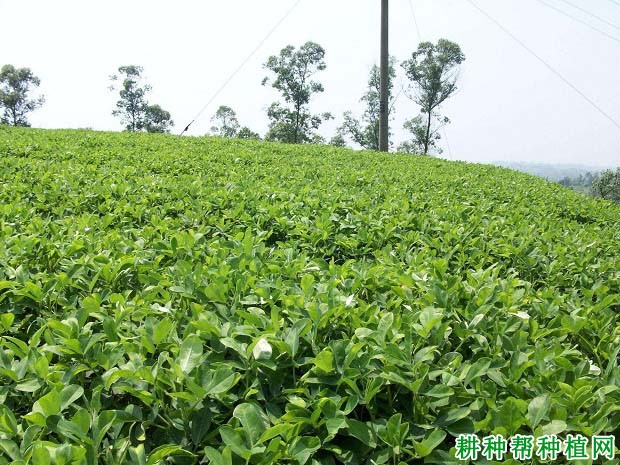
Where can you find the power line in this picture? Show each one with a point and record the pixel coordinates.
(415, 20)
(250, 56)
(417, 28)
(547, 65)
(548, 5)
(589, 13)
(615, 2)
(445, 136)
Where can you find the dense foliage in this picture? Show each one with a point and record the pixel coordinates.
(607, 185)
(227, 301)
(15, 100)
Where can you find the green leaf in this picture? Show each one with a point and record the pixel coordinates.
(8, 422)
(137, 454)
(201, 421)
(40, 455)
(427, 446)
(6, 320)
(510, 416)
(11, 449)
(29, 385)
(216, 458)
(190, 354)
(223, 379)
(477, 370)
(452, 416)
(163, 452)
(252, 420)
(307, 283)
(555, 427)
(235, 441)
(277, 430)
(49, 404)
(537, 409)
(361, 431)
(464, 426)
(70, 394)
(303, 448)
(325, 361)
(439, 391)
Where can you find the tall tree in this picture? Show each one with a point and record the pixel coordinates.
(433, 72)
(225, 122)
(293, 68)
(365, 132)
(15, 102)
(133, 108)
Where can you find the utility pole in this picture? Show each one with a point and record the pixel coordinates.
(384, 122)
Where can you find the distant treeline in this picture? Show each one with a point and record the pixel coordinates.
(605, 184)
(431, 71)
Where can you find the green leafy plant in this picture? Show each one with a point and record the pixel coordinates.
(202, 300)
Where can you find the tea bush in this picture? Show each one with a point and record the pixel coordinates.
(197, 300)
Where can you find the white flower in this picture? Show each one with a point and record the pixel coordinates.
(262, 350)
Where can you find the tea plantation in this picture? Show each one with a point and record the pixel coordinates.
(196, 300)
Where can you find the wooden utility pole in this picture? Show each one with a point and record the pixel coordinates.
(384, 129)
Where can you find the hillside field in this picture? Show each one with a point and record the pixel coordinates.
(199, 300)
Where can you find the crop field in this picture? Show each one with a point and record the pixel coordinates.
(198, 300)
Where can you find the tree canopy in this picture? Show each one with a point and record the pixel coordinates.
(133, 108)
(15, 88)
(433, 71)
(293, 69)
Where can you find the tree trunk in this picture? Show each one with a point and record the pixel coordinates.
(427, 137)
(297, 110)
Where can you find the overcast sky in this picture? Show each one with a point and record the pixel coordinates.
(508, 107)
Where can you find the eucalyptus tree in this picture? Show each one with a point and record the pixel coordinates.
(433, 71)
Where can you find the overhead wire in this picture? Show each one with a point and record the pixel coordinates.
(547, 65)
(415, 20)
(417, 28)
(242, 65)
(589, 13)
(574, 18)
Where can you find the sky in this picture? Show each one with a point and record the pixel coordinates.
(509, 106)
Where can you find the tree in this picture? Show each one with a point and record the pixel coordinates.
(247, 133)
(15, 87)
(433, 72)
(338, 140)
(225, 122)
(607, 185)
(292, 121)
(365, 132)
(157, 120)
(133, 108)
(421, 141)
